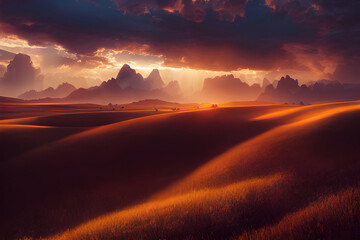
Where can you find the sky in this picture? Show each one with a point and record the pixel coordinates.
(85, 42)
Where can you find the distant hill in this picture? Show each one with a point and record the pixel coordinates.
(10, 100)
(156, 103)
(61, 91)
(228, 88)
(289, 91)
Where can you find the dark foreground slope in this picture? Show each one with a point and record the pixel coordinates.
(244, 172)
(25, 126)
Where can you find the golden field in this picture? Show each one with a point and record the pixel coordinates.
(239, 171)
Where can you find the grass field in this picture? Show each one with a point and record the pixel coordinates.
(238, 171)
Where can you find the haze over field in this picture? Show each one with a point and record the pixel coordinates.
(131, 86)
(179, 119)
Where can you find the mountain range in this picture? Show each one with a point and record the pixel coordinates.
(228, 88)
(61, 91)
(288, 90)
(126, 87)
(131, 86)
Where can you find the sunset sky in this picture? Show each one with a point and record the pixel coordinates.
(85, 42)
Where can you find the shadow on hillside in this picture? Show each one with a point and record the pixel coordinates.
(61, 185)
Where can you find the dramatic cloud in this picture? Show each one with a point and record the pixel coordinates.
(253, 41)
(338, 30)
(20, 75)
(221, 35)
(193, 10)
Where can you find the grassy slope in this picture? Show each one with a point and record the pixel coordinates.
(18, 138)
(82, 119)
(114, 166)
(258, 183)
(261, 170)
(49, 123)
(332, 217)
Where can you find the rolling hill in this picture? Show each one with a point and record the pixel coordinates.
(245, 172)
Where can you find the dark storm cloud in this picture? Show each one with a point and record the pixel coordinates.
(194, 10)
(213, 35)
(338, 23)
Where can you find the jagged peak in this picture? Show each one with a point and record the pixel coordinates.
(125, 71)
(154, 79)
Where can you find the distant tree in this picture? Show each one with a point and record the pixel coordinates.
(122, 107)
(110, 105)
(156, 109)
(301, 103)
